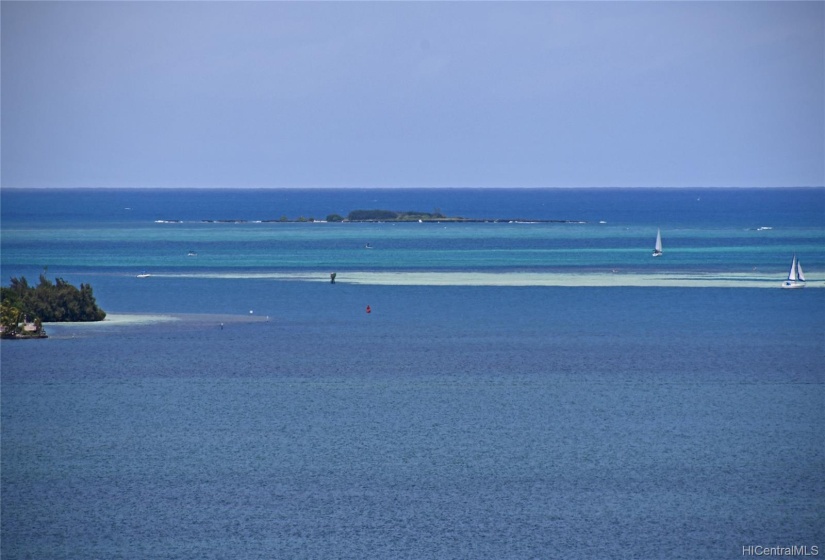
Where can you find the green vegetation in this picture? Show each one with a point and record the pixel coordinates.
(391, 216)
(23, 305)
(15, 324)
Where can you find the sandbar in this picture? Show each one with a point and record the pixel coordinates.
(126, 319)
(525, 278)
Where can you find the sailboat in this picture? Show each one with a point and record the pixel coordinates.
(796, 278)
(657, 249)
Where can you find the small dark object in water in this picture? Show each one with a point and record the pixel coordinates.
(332, 278)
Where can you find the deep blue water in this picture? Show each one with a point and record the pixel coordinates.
(802, 207)
(450, 422)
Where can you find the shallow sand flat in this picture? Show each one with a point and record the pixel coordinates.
(567, 280)
(119, 319)
(561, 279)
(125, 319)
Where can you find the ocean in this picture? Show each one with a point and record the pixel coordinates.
(539, 387)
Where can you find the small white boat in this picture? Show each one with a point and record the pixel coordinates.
(796, 278)
(144, 275)
(657, 249)
(192, 254)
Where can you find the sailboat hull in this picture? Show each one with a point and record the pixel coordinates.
(791, 285)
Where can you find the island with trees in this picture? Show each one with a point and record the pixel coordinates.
(417, 216)
(379, 216)
(24, 308)
(390, 216)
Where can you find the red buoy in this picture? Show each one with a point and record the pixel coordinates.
(368, 309)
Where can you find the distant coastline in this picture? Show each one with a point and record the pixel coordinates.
(431, 220)
(380, 216)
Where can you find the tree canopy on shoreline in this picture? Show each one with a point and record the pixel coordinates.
(391, 215)
(50, 302)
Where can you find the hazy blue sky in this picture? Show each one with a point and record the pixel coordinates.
(429, 94)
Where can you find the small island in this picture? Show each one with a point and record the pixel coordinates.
(416, 216)
(390, 216)
(380, 216)
(24, 308)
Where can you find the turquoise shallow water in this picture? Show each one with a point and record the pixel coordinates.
(737, 231)
(128, 249)
(452, 421)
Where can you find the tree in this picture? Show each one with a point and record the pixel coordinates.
(10, 318)
(361, 215)
(60, 301)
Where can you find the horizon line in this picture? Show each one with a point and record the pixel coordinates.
(250, 188)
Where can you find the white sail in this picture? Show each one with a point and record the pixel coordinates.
(657, 249)
(796, 278)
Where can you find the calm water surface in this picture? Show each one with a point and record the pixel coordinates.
(450, 422)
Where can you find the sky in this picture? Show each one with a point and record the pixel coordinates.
(412, 94)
